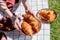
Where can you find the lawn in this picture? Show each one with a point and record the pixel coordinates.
(55, 26)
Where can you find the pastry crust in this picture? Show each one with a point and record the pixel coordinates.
(27, 29)
(47, 15)
(33, 22)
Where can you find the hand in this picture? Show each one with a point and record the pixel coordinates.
(29, 12)
(17, 24)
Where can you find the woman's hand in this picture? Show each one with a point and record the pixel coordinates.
(17, 24)
(27, 7)
(29, 12)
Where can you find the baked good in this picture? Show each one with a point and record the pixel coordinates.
(27, 29)
(33, 22)
(47, 15)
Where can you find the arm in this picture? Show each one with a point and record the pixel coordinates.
(26, 5)
(4, 8)
(15, 20)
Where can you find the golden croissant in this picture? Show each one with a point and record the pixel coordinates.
(47, 15)
(32, 21)
(27, 29)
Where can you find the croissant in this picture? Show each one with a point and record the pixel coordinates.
(47, 15)
(26, 28)
(35, 24)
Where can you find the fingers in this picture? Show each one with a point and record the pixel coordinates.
(17, 25)
(30, 12)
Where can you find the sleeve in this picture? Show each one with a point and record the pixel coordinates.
(16, 7)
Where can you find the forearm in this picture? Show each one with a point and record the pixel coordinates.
(25, 4)
(6, 11)
(4, 8)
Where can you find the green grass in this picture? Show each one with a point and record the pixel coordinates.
(55, 26)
